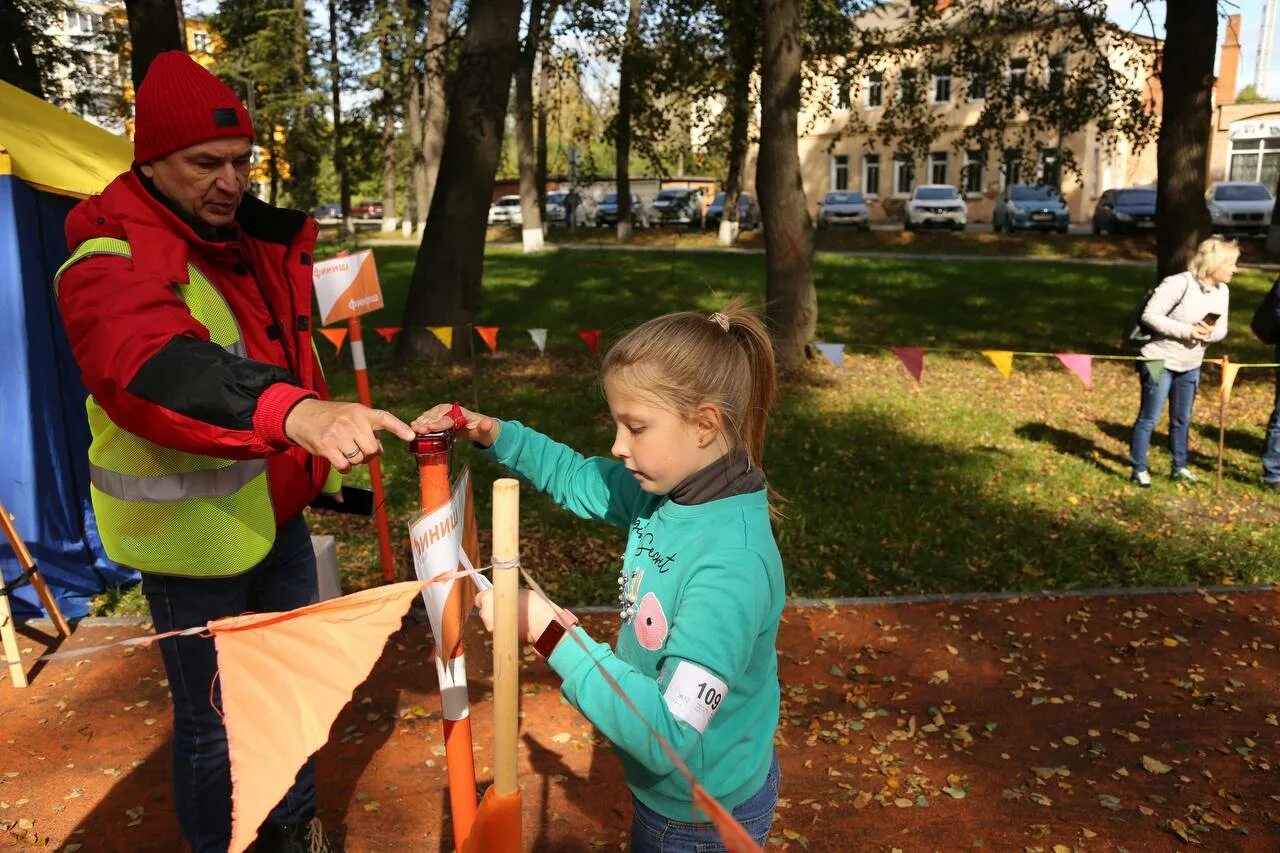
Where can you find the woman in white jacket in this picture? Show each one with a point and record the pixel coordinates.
(1186, 313)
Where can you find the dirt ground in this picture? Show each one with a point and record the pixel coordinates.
(1134, 722)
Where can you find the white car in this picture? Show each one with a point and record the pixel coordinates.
(936, 206)
(506, 211)
(1240, 206)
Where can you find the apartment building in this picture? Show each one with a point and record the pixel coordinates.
(840, 148)
(1245, 141)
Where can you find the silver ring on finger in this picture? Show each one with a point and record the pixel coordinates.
(353, 454)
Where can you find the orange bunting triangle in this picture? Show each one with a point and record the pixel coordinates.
(590, 337)
(388, 333)
(284, 678)
(734, 837)
(912, 359)
(1079, 364)
(496, 828)
(335, 337)
(490, 336)
(1229, 372)
(1002, 359)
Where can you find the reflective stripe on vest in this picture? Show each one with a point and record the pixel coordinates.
(166, 511)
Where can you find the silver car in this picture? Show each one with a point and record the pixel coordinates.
(844, 208)
(1240, 206)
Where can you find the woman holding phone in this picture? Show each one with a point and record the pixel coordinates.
(1185, 313)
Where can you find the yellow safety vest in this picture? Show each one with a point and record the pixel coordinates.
(165, 511)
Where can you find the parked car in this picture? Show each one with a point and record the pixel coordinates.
(844, 208)
(367, 210)
(677, 207)
(936, 206)
(506, 211)
(748, 212)
(567, 207)
(607, 212)
(1240, 206)
(1030, 207)
(327, 212)
(1124, 210)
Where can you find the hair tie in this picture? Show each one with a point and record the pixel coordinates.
(720, 320)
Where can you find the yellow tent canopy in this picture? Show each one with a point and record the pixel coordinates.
(55, 151)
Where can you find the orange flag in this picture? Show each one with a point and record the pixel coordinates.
(284, 678)
(912, 359)
(388, 332)
(1229, 372)
(490, 336)
(590, 337)
(735, 838)
(335, 337)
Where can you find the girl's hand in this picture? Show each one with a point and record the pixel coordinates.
(1201, 331)
(535, 614)
(481, 429)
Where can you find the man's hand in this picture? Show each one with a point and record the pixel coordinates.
(343, 433)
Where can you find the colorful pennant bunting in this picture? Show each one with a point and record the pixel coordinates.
(1229, 372)
(590, 337)
(539, 340)
(444, 334)
(1079, 364)
(1002, 359)
(335, 337)
(388, 333)
(489, 334)
(833, 352)
(1155, 366)
(912, 359)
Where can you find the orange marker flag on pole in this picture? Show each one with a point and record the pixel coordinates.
(912, 359)
(284, 677)
(590, 337)
(335, 337)
(490, 336)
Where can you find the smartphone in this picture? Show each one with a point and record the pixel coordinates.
(1210, 318)
(355, 501)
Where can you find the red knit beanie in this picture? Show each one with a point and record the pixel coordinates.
(180, 103)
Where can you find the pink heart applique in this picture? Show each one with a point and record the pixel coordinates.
(651, 623)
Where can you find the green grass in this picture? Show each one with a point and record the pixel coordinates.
(966, 483)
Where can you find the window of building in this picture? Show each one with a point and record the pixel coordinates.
(1254, 160)
(1050, 167)
(1057, 73)
(875, 90)
(1017, 77)
(871, 175)
(1011, 169)
(973, 168)
(200, 42)
(840, 171)
(942, 86)
(977, 88)
(903, 174)
(937, 167)
(908, 85)
(83, 23)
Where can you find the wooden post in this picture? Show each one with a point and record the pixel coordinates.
(1222, 421)
(506, 639)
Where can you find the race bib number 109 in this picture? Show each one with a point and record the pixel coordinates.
(694, 695)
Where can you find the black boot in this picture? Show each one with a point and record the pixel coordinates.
(301, 836)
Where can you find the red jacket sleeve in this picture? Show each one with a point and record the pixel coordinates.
(152, 368)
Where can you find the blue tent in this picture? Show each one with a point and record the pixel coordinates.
(48, 160)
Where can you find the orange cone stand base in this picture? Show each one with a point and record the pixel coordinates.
(497, 826)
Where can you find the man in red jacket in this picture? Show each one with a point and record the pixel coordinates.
(188, 305)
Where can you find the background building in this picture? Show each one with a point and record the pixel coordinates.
(1245, 142)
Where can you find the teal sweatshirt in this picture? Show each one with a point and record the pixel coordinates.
(706, 587)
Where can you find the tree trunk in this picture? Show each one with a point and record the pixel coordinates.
(411, 13)
(540, 108)
(626, 95)
(389, 220)
(18, 65)
(154, 27)
(433, 98)
(1182, 149)
(792, 302)
(742, 35)
(530, 211)
(340, 173)
(445, 289)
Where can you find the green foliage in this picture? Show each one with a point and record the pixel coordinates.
(1249, 95)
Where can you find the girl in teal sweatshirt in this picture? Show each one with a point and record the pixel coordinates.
(701, 585)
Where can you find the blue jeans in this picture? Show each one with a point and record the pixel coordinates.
(1271, 449)
(1179, 388)
(285, 579)
(653, 833)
